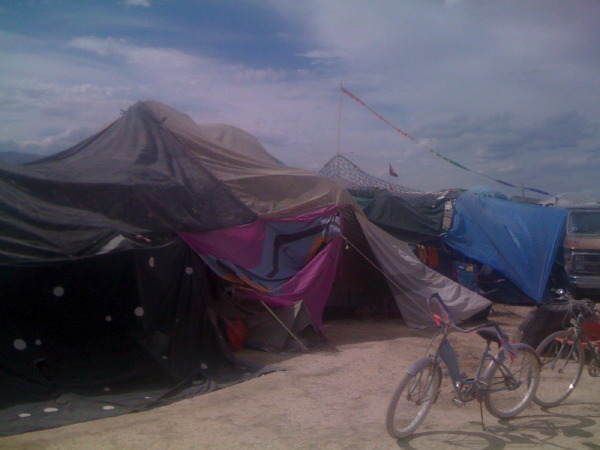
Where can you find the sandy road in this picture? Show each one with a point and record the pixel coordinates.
(335, 398)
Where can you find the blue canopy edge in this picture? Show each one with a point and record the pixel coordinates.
(519, 240)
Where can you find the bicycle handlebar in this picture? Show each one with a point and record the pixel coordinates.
(585, 309)
(448, 319)
(587, 314)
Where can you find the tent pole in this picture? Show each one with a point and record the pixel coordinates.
(302, 346)
(339, 120)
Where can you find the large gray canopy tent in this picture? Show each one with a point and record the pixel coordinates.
(104, 304)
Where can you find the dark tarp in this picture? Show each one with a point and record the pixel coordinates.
(411, 217)
(94, 317)
(133, 177)
(96, 337)
(412, 283)
(358, 285)
(282, 329)
(519, 240)
(152, 171)
(106, 310)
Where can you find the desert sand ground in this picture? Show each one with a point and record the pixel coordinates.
(335, 397)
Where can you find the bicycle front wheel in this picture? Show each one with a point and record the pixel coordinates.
(511, 382)
(413, 398)
(562, 357)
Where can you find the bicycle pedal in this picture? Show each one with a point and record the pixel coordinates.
(458, 402)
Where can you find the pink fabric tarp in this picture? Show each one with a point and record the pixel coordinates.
(284, 260)
(312, 284)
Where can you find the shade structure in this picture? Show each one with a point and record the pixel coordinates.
(519, 240)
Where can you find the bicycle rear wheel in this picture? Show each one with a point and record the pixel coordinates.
(413, 398)
(562, 357)
(511, 385)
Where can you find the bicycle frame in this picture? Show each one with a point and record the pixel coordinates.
(416, 392)
(468, 388)
(576, 324)
(579, 332)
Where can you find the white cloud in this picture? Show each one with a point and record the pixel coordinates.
(60, 141)
(102, 47)
(474, 81)
(103, 75)
(470, 56)
(324, 55)
(157, 61)
(144, 3)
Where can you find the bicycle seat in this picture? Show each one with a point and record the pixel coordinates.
(490, 335)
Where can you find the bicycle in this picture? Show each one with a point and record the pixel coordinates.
(563, 355)
(506, 386)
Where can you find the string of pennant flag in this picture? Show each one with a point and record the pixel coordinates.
(439, 155)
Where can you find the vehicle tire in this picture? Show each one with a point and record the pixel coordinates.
(517, 387)
(562, 357)
(413, 398)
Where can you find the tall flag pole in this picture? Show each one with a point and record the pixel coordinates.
(439, 155)
(340, 119)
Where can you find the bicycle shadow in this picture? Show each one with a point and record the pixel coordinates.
(540, 430)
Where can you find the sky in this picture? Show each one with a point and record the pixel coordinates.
(507, 89)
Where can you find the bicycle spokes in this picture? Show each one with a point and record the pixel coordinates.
(511, 383)
(413, 398)
(419, 389)
(562, 357)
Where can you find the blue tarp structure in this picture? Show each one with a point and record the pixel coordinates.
(518, 240)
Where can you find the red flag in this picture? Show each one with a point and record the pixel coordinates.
(392, 171)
